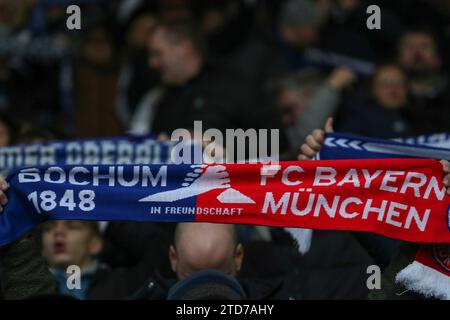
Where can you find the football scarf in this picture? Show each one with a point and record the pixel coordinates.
(346, 146)
(440, 140)
(429, 273)
(113, 150)
(93, 180)
(399, 198)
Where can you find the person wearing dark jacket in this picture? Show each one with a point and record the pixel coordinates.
(429, 84)
(24, 273)
(192, 87)
(307, 98)
(201, 246)
(67, 243)
(383, 111)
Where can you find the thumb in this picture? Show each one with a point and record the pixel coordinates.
(329, 125)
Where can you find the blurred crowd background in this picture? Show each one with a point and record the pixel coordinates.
(154, 66)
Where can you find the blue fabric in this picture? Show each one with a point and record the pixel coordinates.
(81, 293)
(37, 196)
(63, 174)
(346, 146)
(440, 140)
(112, 150)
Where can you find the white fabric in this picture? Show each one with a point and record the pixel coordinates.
(302, 237)
(425, 280)
(143, 116)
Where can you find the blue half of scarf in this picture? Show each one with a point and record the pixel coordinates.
(130, 149)
(95, 192)
(346, 146)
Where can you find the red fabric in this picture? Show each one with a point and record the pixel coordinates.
(407, 204)
(436, 256)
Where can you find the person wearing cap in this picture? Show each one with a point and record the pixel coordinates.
(207, 284)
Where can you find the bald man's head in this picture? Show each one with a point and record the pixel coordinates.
(200, 246)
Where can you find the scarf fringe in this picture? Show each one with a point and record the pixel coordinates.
(425, 280)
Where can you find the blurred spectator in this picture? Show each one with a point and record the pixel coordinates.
(216, 246)
(382, 111)
(9, 130)
(323, 34)
(429, 84)
(156, 66)
(4, 74)
(66, 243)
(333, 268)
(175, 9)
(31, 135)
(192, 88)
(96, 71)
(135, 78)
(418, 55)
(14, 14)
(434, 14)
(306, 99)
(282, 49)
(226, 25)
(200, 246)
(36, 63)
(177, 52)
(345, 30)
(23, 271)
(299, 23)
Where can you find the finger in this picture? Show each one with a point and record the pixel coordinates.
(306, 150)
(303, 157)
(445, 166)
(3, 198)
(3, 184)
(446, 180)
(318, 135)
(329, 125)
(312, 143)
